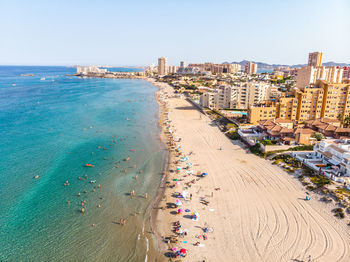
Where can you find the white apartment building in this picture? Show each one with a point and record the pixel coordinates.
(236, 68)
(172, 69)
(208, 100)
(308, 75)
(221, 98)
(251, 93)
(226, 97)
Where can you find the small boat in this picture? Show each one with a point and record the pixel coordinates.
(42, 79)
(132, 150)
(13, 84)
(89, 165)
(92, 181)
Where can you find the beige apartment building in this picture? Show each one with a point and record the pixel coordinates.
(315, 59)
(162, 66)
(325, 100)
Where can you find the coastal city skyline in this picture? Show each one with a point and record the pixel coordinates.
(132, 34)
(194, 131)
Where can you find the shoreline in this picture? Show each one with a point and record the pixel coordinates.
(166, 166)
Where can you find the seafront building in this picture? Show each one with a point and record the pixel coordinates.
(240, 95)
(250, 68)
(221, 98)
(331, 158)
(162, 66)
(251, 93)
(84, 70)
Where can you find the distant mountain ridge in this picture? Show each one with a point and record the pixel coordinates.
(262, 65)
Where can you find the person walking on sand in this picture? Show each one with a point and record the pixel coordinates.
(309, 260)
(191, 196)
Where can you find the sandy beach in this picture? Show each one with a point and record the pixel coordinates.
(252, 209)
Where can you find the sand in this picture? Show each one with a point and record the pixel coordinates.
(259, 213)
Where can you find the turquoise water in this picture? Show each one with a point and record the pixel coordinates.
(51, 129)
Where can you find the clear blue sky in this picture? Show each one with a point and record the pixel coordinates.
(137, 32)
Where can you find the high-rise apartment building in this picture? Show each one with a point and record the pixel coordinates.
(251, 68)
(162, 66)
(315, 59)
(182, 64)
(251, 93)
(221, 98)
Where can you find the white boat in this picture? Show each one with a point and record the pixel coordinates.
(42, 79)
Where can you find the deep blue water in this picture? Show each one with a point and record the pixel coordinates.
(51, 128)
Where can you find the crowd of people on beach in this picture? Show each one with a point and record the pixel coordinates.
(182, 183)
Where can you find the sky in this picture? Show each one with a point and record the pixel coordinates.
(136, 33)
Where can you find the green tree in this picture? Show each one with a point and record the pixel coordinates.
(347, 121)
(318, 136)
(340, 117)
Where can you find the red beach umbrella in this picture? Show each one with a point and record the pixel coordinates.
(183, 251)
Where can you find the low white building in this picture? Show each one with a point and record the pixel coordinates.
(335, 154)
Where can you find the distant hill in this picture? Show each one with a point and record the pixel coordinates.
(262, 65)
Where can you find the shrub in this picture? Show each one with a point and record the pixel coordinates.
(302, 148)
(310, 188)
(267, 142)
(233, 135)
(256, 149)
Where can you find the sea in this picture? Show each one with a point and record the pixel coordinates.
(51, 125)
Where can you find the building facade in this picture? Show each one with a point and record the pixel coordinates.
(162, 66)
(251, 68)
(309, 75)
(325, 100)
(315, 59)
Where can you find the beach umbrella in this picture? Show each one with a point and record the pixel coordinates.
(180, 210)
(178, 168)
(204, 174)
(177, 183)
(174, 249)
(195, 214)
(184, 194)
(183, 251)
(178, 202)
